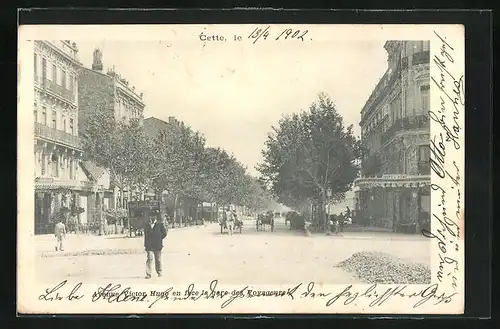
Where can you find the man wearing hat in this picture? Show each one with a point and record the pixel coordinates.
(154, 233)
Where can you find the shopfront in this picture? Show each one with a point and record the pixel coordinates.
(397, 202)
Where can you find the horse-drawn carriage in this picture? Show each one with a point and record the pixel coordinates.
(139, 214)
(263, 220)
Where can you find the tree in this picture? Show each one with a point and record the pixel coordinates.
(147, 164)
(224, 177)
(179, 157)
(257, 198)
(116, 146)
(310, 153)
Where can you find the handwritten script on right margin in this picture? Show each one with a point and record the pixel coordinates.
(445, 145)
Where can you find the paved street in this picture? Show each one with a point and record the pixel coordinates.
(201, 254)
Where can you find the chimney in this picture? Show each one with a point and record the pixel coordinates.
(97, 63)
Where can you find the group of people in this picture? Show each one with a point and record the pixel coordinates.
(337, 223)
(230, 219)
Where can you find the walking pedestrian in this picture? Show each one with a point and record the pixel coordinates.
(60, 234)
(154, 233)
(230, 221)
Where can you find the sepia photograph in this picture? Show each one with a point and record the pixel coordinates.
(209, 165)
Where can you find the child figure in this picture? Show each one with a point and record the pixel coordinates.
(60, 234)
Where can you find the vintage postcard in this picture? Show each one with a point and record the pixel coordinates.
(241, 169)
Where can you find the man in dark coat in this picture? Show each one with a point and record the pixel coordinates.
(154, 233)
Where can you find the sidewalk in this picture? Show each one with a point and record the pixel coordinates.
(77, 244)
(390, 236)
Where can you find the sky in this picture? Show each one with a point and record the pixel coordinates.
(233, 95)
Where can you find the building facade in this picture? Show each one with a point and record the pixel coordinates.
(108, 92)
(394, 188)
(60, 185)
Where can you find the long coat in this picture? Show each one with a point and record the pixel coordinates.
(153, 237)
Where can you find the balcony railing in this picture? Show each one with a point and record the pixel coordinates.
(407, 123)
(57, 136)
(422, 57)
(383, 87)
(58, 90)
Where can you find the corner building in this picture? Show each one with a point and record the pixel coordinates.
(58, 178)
(394, 189)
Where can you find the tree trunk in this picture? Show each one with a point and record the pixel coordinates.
(99, 211)
(175, 211)
(323, 212)
(121, 207)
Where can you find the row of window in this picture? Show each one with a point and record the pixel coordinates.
(399, 163)
(68, 126)
(127, 111)
(395, 111)
(413, 47)
(54, 73)
(52, 166)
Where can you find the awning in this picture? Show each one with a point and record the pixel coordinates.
(393, 181)
(48, 183)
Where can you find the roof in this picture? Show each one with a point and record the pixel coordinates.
(93, 170)
(153, 126)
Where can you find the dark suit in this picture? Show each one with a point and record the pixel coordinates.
(153, 243)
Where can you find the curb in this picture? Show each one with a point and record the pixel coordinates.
(92, 252)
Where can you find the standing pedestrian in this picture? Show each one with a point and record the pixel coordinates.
(335, 220)
(60, 234)
(341, 222)
(330, 226)
(230, 221)
(154, 233)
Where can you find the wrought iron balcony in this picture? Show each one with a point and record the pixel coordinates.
(407, 123)
(57, 136)
(60, 91)
(385, 85)
(422, 57)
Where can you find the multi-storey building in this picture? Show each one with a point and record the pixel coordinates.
(394, 190)
(58, 179)
(108, 92)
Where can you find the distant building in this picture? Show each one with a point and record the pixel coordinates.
(59, 181)
(108, 92)
(394, 189)
(154, 126)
